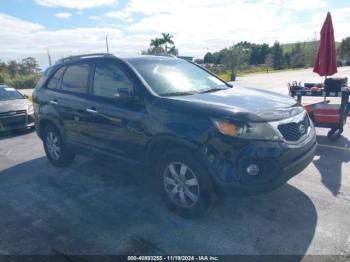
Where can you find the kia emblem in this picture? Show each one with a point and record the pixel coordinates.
(302, 129)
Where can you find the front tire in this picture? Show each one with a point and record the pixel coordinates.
(55, 149)
(186, 186)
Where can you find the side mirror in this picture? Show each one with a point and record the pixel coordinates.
(122, 94)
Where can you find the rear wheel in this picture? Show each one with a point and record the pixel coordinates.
(185, 184)
(55, 149)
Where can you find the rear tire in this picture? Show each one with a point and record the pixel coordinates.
(55, 149)
(185, 185)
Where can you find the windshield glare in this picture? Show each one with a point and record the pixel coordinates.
(9, 94)
(172, 77)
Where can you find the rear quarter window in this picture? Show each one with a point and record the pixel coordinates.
(54, 82)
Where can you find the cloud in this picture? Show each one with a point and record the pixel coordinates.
(80, 12)
(63, 15)
(305, 5)
(93, 17)
(11, 24)
(75, 4)
(22, 39)
(122, 15)
(202, 25)
(197, 26)
(341, 21)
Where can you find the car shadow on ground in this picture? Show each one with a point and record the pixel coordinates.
(329, 161)
(95, 207)
(15, 133)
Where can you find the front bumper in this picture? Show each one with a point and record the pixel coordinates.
(228, 159)
(16, 121)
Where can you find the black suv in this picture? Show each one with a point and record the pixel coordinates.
(197, 133)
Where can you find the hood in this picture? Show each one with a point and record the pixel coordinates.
(265, 105)
(14, 105)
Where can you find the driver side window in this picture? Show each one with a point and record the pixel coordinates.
(108, 78)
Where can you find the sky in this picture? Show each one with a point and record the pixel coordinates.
(70, 27)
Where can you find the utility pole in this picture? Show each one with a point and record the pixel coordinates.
(49, 57)
(107, 45)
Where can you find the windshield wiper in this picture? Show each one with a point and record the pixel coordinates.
(209, 90)
(179, 93)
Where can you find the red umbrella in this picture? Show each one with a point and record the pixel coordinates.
(326, 61)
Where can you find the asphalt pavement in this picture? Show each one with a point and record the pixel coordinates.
(96, 207)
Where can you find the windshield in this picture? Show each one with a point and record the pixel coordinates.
(176, 77)
(8, 93)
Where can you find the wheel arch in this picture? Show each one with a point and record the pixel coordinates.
(43, 123)
(160, 144)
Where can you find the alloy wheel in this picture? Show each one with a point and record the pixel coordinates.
(181, 184)
(53, 147)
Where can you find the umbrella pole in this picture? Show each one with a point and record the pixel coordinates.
(324, 85)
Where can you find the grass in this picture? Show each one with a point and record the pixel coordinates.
(254, 70)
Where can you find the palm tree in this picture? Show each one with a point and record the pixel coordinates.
(155, 43)
(173, 51)
(156, 46)
(167, 39)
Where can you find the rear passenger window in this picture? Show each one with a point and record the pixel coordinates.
(55, 80)
(109, 78)
(76, 78)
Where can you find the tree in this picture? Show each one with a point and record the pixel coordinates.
(297, 57)
(268, 61)
(167, 39)
(208, 58)
(258, 53)
(277, 54)
(12, 68)
(173, 51)
(161, 46)
(234, 57)
(156, 47)
(344, 49)
(28, 66)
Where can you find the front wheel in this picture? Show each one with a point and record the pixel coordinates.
(55, 149)
(186, 185)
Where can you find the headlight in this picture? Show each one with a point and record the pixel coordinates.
(30, 110)
(281, 113)
(229, 129)
(256, 131)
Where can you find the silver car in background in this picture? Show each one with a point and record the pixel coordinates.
(16, 111)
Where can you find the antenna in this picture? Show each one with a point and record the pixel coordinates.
(49, 57)
(107, 44)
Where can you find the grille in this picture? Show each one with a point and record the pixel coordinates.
(14, 118)
(12, 113)
(294, 131)
(13, 121)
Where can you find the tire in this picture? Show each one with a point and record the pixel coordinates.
(185, 185)
(55, 149)
(334, 134)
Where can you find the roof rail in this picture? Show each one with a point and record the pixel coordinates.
(76, 57)
(165, 54)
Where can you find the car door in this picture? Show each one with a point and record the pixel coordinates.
(72, 105)
(118, 128)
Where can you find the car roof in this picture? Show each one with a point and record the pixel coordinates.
(148, 58)
(91, 57)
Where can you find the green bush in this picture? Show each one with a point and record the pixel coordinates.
(23, 81)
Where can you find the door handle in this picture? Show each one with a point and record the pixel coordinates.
(91, 110)
(54, 102)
